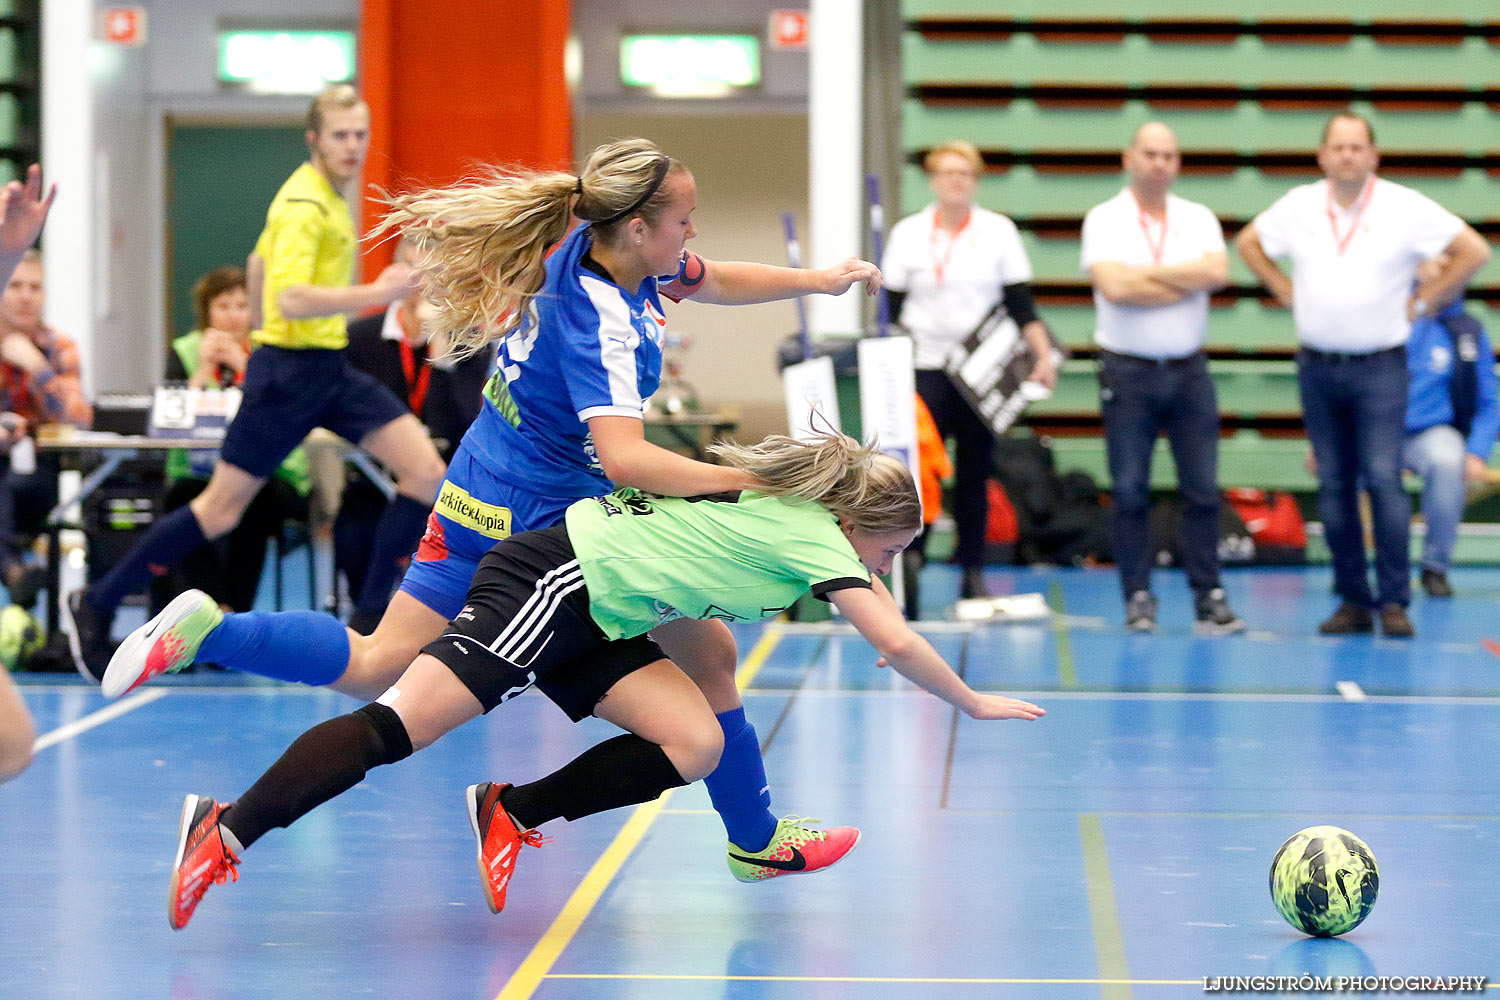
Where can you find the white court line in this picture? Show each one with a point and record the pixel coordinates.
(98, 718)
(1060, 695)
(1350, 691)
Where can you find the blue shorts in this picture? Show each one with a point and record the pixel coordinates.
(474, 510)
(288, 393)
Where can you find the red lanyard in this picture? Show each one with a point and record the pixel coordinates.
(1155, 246)
(939, 266)
(1359, 213)
(416, 377)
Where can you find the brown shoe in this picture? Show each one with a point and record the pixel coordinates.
(1349, 619)
(1394, 623)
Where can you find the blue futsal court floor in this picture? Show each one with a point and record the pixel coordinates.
(1116, 848)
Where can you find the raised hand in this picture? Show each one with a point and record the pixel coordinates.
(23, 210)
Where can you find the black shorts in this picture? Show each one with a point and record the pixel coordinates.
(289, 392)
(526, 621)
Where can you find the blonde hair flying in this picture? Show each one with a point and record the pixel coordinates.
(483, 244)
(871, 490)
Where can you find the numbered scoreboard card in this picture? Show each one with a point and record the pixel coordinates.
(196, 416)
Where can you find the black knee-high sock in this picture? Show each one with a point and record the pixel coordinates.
(623, 771)
(396, 537)
(327, 760)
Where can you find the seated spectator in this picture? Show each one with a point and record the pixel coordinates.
(1452, 421)
(446, 396)
(39, 384)
(214, 356)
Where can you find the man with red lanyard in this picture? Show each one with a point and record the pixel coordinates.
(1355, 242)
(945, 268)
(1153, 258)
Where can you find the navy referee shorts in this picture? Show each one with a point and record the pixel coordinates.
(289, 392)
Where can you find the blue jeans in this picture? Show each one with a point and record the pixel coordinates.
(1437, 455)
(1138, 399)
(1354, 408)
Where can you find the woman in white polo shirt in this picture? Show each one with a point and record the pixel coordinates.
(946, 267)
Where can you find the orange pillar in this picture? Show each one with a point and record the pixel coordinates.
(454, 84)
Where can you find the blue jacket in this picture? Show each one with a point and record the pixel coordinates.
(1430, 359)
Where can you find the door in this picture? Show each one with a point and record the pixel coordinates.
(220, 181)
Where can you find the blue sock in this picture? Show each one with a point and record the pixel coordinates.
(396, 536)
(308, 647)
(738, 787)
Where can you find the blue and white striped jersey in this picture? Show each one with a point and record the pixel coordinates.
(587, 348)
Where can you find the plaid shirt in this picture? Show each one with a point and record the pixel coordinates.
(52, 396)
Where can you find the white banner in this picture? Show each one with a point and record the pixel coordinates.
(887, 397)
(809, 387)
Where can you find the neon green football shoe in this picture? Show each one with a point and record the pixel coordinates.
(795, 849)
(165, 644)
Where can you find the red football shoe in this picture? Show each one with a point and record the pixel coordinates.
(499, 840)
(202, 859)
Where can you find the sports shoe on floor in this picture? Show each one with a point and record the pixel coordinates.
(1214, 616)
(88, 635)
(1394, 623)
(795, 849)
(1349, 619)
(165, 644)
(499, 840)
(1435, 583)
(202, 858)
(1140, 612)
(971, 583)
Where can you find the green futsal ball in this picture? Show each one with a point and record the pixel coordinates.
(1324, 881)
(21, 636)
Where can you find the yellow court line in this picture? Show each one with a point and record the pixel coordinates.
(948, 980)
(1109, 944)
(579, 905)
(759, 654)
(538, 964)
(1066, 671)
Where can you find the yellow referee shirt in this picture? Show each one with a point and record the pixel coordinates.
(308, 240)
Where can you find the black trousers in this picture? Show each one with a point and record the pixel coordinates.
(955, 418)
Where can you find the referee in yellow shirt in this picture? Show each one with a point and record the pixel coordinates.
(297, 379)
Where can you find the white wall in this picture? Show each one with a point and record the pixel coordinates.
(598, 25)
(134, 89)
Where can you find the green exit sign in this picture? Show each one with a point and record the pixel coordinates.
(285, 62)
(690, 65)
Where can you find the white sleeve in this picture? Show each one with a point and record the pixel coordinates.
(897, 264)
(1011, 261)
(1096, 241)
(1433, 227)
(1210, 232)
(1274, 226)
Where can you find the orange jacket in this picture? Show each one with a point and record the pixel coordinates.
(933, 461)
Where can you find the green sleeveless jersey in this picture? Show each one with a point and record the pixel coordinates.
(734, 556)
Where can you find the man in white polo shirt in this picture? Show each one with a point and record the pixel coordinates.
(1153, 258)
(1354, 242)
